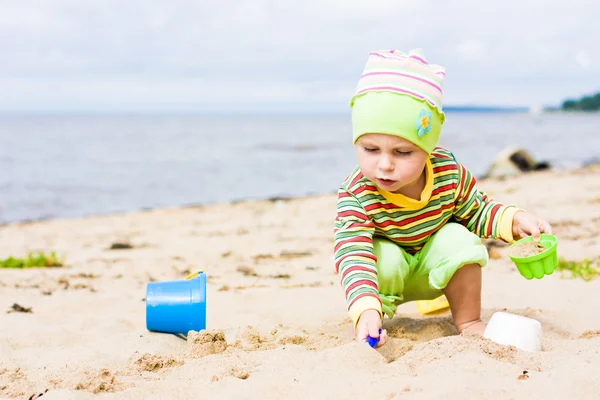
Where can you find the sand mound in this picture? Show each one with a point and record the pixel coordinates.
(396, 348)
(293, 339)
(100, 382)
(420, 330)
(590, 334)
(422, 355)
(154, 362)
(250, 339)
(204, 343)
(234, 372)
(241, 372)
(14, 383)
(353, 353)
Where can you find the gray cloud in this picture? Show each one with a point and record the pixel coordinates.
(211, 55)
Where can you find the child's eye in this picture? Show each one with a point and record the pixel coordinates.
(370, 149)
(404, 153)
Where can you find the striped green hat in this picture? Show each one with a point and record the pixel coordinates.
(400, 94)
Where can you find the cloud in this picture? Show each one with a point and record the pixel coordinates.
(583, 58)
(472, 49)
(144, 54)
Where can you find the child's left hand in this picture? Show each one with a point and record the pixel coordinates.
(525, 224)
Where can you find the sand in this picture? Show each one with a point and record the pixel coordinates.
(526, 249)
(277, 324)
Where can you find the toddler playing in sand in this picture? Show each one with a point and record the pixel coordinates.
(410, 217)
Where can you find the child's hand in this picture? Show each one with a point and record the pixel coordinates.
(369, 324)
(525, 224)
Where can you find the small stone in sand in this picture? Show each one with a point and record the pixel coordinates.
(294, 254)
(64, 282)
(120, 246)
(280, 276)
(526, 249)
(523, 376)
(204, 343)
(19, 308)
(239, 374)
(246, 271)
(260, 257)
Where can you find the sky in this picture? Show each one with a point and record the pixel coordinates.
(222, 56)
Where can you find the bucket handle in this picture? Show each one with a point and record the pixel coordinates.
(194, 274)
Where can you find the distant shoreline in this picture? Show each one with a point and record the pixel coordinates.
(256, 199)
(279, 114)
(217, 114)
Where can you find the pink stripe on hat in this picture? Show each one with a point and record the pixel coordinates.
(398, 72)
(432, 84)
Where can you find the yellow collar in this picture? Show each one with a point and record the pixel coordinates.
(412, 204)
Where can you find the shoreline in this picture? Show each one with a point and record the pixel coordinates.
(271, 199)
(592, 163)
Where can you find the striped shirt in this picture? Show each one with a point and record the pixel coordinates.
(363, 211)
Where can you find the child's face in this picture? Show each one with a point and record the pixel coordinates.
(392, 163)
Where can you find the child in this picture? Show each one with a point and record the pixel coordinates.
(410, 217)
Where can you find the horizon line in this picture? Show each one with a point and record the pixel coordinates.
(258, 112)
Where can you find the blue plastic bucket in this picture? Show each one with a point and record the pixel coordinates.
(177, 306)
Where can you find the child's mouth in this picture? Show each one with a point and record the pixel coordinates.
(385, 182)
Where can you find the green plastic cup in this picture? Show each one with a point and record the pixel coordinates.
(540, 264)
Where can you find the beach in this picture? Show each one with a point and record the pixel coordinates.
(277, 325)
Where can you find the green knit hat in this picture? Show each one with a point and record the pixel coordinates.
(400, 94)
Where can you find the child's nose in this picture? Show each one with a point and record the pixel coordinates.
(385, 163)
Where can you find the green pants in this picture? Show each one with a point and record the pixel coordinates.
(404, 277)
